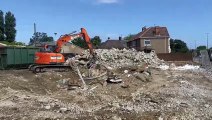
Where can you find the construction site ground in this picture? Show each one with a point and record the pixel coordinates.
(165, 95)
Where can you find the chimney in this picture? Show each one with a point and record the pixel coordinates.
(143, 28)
(120, 38)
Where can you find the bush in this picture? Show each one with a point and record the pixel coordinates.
(13, 43)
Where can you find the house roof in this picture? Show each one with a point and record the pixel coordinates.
(109, 44)
(152, 32)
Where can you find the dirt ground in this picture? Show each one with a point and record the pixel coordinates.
(165, 95)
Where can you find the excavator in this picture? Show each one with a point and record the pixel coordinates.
(54, 59)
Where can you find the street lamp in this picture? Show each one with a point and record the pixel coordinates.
(207, 39)
(55, 34)
(195, 44)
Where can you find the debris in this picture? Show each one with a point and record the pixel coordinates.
(63, 109)
(124, 85)
(183, 95)
(140, 77)
(146, 73)
(47, 107)
(187, 67)
(114, 80)
(207, 106)
(115, 58)
(116, 118)
(93, 88)
(143, 77)
(126, 71)
(160, 118)
(84, 84)
(172, 66)
(183, 104)
(163, 67)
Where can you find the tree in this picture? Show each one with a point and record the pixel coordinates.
(202, 47)
(129, 37)
(39, 37)
(80, 42)
(96, 41)
(178, 46)
(1, 26)
(172, 45)
(10, 24)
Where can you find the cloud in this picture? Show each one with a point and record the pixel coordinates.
(107, 1)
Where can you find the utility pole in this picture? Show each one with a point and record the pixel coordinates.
(195, 44)
(34, 28)
(207, 39)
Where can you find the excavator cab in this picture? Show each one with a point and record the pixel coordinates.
(48, 48)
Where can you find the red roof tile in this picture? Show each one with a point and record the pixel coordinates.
(152, 32)
(109, 44)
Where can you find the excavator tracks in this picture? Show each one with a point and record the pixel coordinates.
(44, 68)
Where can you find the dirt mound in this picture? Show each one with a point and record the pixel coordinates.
(171, 94)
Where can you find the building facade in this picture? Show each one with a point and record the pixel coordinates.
(153, 38)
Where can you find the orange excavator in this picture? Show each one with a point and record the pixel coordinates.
(54, 59)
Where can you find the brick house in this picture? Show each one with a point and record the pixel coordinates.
(156, 38)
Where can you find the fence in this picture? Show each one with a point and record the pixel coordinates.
(175, 56)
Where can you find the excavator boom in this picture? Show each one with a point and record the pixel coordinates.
(69, 37)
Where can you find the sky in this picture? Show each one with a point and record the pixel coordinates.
(188, 20)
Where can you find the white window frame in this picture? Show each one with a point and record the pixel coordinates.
(147, 44)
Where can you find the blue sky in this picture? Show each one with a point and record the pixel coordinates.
(188, 20)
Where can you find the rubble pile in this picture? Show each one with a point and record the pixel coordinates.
(117, 58)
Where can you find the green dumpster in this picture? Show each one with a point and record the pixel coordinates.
(16, 57)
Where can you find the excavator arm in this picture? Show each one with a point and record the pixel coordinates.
(69, 37)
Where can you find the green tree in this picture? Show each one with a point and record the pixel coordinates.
(40, 37)
(178, 46)
(129, 37)
(96, 41)
(1, 26)
(202, 47)
(80, 42)
(172, 44)
(10, 24)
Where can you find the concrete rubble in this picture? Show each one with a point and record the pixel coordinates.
(129, 61)
(115, 58)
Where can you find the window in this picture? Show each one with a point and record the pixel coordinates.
(147, 43)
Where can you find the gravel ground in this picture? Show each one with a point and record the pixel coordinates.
(164, 95)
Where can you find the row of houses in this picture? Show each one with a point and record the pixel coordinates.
(153, 38)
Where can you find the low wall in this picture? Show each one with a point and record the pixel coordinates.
(175, 56)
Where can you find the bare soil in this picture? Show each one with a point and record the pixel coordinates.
(165, 95)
